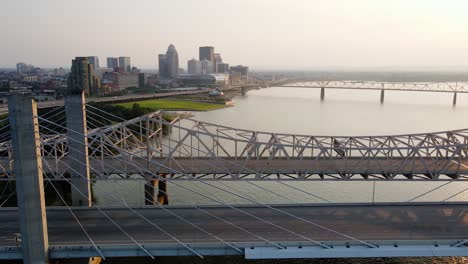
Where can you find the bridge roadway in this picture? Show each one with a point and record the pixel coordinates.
(233, 166)
(422, 223)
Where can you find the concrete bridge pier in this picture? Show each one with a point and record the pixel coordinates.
(156, 191)
(150, 194)
(455, 99)
(322, 93)
(75, 110)
(382, 96)
(29, 179)
(243, 91)
(163, 197)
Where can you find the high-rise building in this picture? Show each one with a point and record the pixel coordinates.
(217, 61)
(169, 63)
(223, 67)
(94, 60)
(22, 68)
(239, 74)
(141, 80)
(173, 61)
(206, 53)
(81, 77)
(243, 70)
(194, 66)
(163, 68)
(113, 63)
(206, 67)
(124, 64)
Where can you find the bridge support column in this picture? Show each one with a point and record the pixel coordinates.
(382, 96)
(322, 93)
(29, 179)
(455, 99)
(151, 197)
(163, 197)
(75, 109)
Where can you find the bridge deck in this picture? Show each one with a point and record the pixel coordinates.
(232, 166)
(378, 223)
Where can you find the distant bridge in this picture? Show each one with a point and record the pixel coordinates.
(439, 87)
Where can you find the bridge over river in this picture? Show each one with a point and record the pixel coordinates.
(80, 143)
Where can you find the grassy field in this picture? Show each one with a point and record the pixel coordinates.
(168, 104)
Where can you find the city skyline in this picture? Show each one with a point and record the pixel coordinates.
(357, 34)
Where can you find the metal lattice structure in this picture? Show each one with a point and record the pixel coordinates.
(448, 87)
(201, 150)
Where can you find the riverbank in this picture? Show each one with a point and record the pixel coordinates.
(173, 105)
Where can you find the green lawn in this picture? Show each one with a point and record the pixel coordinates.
(173, 105)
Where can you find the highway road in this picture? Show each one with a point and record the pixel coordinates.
(433, 222)
(4, 107)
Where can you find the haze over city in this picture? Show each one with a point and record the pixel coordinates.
(298, 34)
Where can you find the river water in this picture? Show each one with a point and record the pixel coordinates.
(342, 113)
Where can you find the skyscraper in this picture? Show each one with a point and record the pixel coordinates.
(206, 66)
(124, 64)
(223, 67)
(217, 61)
(94, 60)
(169, 63)
(81, 77)
(113, 63)
(194, 66)
(163, 68)
(207, 53)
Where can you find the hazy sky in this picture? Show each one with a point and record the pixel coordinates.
(286, 34)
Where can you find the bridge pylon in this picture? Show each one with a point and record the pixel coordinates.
(29, 178)
(75, 109)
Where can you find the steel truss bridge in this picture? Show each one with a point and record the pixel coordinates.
(159, 149)
(199, 150)
(443, 87)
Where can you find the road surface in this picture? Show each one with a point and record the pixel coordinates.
(432, 222)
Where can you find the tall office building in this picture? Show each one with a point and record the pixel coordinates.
(163, 68)
(206, 67)
(217, 61)
(124, 64)
(113, 63)
(81, 77)
(169, 63)
(22, 67)
(223, 67)
(94, 60)
(194, 66)
(206, 53)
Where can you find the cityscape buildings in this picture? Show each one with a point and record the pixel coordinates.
(223, 67)
(217, 61)
(206, 66)
(23, 68)
(207, 53)
(124, 64)
(82, 78)
(87, 74)
(194, 66)
(113, 63)
(94, 60)
(169, 63)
